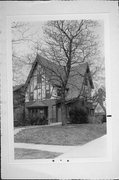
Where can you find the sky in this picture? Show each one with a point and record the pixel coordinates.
(22, 49)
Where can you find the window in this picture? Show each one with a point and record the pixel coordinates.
(43, 92)
(27, 97)
(35, 94)
(39, 93)
(31, 96)
(47, 86)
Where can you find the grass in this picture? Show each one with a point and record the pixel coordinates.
(61, 135)
(21, 153)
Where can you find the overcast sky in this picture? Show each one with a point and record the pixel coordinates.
(36, 30)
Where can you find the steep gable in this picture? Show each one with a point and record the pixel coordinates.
(55, 73)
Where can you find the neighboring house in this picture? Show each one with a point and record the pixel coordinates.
(18, 104)
(42, 90)
(99, 113)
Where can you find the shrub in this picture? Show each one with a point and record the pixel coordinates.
(78, 116)
(19, 116)
(37, 120)
(104, 119)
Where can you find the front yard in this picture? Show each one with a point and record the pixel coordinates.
(61, 135)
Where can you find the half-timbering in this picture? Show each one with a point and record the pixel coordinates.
(42, 92)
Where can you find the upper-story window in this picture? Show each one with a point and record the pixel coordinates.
(48, 90)
(39, 87)
(31, 98)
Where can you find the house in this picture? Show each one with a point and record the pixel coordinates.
(100, 113)
(18, 104)
(42, 90)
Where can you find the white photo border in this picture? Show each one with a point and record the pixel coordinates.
(75, 168)
(39, 18)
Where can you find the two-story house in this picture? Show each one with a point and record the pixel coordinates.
(42, 90)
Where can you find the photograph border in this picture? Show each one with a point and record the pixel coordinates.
(39, 18)
(19, 169)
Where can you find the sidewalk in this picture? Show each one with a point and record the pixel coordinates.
(95, 148)
(52, 148)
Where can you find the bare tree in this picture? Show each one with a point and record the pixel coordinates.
(68, 43)
(99, 98)
(21, 37)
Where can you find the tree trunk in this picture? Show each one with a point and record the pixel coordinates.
(63, 114)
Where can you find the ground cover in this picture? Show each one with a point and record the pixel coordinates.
(61, 135)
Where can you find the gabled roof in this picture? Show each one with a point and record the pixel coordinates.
(75, 81)
(49, 66)
(55, 72)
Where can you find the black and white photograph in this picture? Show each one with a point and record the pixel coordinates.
(59, 94)
(59, 90)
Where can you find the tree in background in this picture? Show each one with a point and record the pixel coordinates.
(22, 37)
(99, 98)
(69, 43)
(66, 43)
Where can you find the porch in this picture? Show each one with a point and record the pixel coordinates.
(42, 112)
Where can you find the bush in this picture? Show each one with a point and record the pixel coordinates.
(78, 116)
(37, 121)
(19, 116)
(104, 119)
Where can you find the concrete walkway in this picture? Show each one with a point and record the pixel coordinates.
(93, 149)
(52, 148)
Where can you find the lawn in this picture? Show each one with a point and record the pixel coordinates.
(61, 135)
(21, 153)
